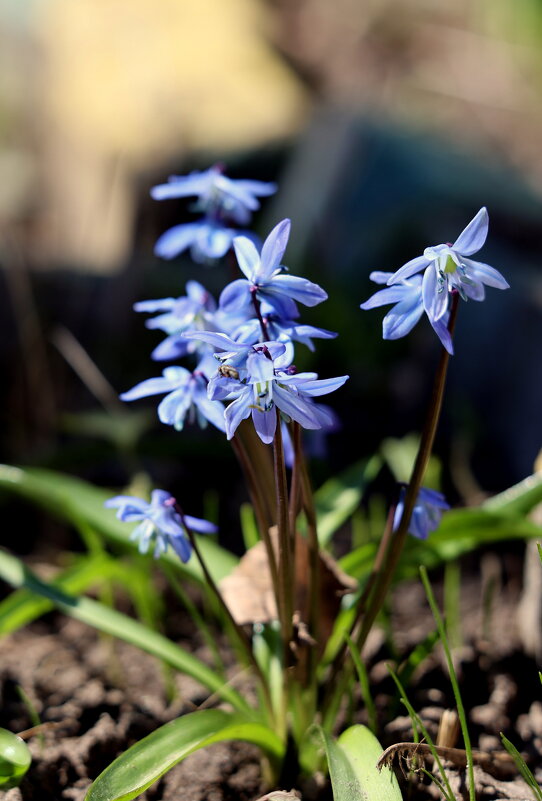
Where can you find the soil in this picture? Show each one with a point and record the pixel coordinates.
(98, 696)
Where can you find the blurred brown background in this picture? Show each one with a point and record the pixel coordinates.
(387, 124)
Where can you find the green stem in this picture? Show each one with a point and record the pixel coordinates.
(260, 511)
(284, 542)
(240, 634)
(424, 452)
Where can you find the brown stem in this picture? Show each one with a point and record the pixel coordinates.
(284, 539)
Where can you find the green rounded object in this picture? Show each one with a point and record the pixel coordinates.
(15, 758)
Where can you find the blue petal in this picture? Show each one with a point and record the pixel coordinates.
(441, 329)
(486, 274)
(174, 408)
(237, 411)
(196, 183)
(216, 338)
(182, 547)
(176, 239)
(173, 347)
(435, 302)
(213, 411)
(296, 407)
(262, 188)
(163, 304)
(410, 268)
(199, 525)
(273, 249)
(156, 386)
(392, 294)
(265, 424)
(400, 320)
(475, 291)
(299, 289)
(474, 235)
(235, 296)
(379, 277)
(283, 306)
(248, 257)
(322, 386)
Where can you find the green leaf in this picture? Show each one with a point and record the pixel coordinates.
(139, 767)
(352, 767)
(15, 759)
(519, 499)
(73, 500)
(23, 606)
(101, 617)
(338, 498)
(461, 531)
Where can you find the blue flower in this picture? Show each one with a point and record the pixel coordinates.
(221, 200)
(266, 277)
(264, 387)
(447, 268)
(187, 394)
(196, 309)
(407, 297)
(217, 194)
(159, 520)
(426, 514)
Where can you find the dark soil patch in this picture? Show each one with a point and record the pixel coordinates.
(100, 696)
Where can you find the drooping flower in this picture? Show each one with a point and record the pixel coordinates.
(408, 308)
(448, 268)
(426, 515)
(159, 521)
(267, 279)
(221, 200)
(187, 395)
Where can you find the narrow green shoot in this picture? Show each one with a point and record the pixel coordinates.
(523, 768)
(453, 679)
(363, 679)
(32, 713)
(418, 728)
(452, 591)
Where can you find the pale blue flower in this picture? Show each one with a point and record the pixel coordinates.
(426, 515)
(447, 268)
(267, 279)
(159, 521)
(264, 387)
(216, 193)
(408, 308)
(196, 309)
(222, 201)
(187, 395)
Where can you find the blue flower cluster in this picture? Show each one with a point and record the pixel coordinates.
(254, 327)
(223, 203)
(446, 269)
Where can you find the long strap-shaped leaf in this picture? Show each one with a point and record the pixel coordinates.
(15, 573)
(24, 606)
(352, 767)
(74, 500)
(139, 767)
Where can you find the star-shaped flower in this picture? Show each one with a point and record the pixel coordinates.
(187, 395)
(159, 520)
(448, 268)
(267, 278)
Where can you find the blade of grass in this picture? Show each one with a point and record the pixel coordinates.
(523, 768)
(363, 679)
(418, 726)
(453, 679)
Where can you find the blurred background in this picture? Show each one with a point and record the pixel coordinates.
(386, 123)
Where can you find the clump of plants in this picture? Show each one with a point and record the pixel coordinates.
(296, 619)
